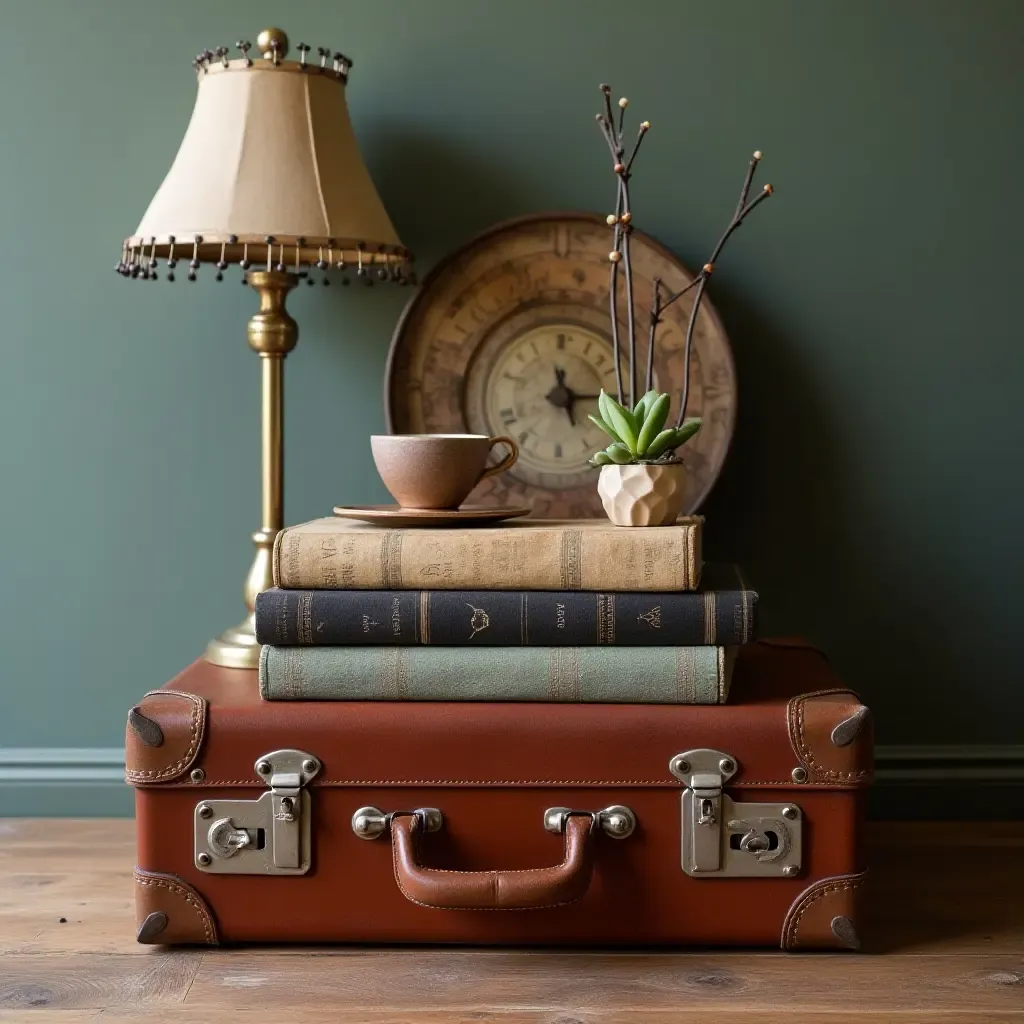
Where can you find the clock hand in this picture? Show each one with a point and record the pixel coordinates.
(560, 396)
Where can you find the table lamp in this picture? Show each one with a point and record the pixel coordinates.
(268, 178)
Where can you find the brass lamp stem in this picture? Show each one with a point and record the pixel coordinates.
(272, 334)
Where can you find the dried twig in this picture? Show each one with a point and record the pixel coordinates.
(625, 219)
(615, 256)
(655, 320)
(706, 271)
(621, 223)
(644, 128)
(751, 167)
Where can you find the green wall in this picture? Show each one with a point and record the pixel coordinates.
(875, 486)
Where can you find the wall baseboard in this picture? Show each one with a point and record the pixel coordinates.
(951, 782)
(63, 782)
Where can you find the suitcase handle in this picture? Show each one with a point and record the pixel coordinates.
(494, 890)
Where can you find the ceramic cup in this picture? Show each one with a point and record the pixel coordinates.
(436, 471)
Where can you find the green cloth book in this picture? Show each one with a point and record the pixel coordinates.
(621, 675)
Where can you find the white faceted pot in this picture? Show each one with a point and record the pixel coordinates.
(642, 495)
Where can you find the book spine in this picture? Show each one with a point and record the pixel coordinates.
(639, 675)
(495, 618)
(658, 559)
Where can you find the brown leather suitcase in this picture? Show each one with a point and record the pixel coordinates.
(503, 823)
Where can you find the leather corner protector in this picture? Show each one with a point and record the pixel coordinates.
(832, 736)
(823, 916)
(163, 736)
(169, 912)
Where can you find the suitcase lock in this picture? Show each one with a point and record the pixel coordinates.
(723, 838)
(267, 836)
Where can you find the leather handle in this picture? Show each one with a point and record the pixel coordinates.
(493, 890)
(506, 463)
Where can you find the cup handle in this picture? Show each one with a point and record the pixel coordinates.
(506, 463)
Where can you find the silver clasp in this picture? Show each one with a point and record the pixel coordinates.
(757, 840)
(270, 835)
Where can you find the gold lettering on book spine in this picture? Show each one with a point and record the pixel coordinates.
(424, 637)
(304, 623)
(606, 618)
(572, 551)
(744, 608)
(710, 624)
(391, 559)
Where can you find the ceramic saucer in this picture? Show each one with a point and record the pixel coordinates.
(395, 515)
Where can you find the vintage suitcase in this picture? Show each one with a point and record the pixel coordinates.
(503, 823)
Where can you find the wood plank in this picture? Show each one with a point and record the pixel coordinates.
(94, 980)
(187, 1015)
(945, 887)
(934, 888)
(600, 983)
(67, 911)
(79, 870)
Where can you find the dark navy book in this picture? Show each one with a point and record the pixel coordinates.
(722, 613)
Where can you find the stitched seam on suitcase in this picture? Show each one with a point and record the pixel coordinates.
(796, 715)
(813, 897)
(596, 783)
(178, 890)
(134, 775)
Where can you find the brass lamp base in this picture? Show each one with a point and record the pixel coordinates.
(235, 647)
(272, 334)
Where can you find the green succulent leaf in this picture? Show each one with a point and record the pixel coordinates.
(601, 459)
(657, 413)
(619, 454)
(641, 409)
(661, 444)
(604, 426)
(686, 431)
(621, 420)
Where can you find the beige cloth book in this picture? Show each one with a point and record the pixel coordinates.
(526, 554)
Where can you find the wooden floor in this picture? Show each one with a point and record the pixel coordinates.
(945, 942)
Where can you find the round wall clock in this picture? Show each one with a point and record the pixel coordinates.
(511, 335)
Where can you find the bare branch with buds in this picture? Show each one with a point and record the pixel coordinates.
(621, 224)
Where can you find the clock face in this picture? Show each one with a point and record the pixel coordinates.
(512, 335)
(539, 389)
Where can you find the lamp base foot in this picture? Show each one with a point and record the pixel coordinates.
(235, 647)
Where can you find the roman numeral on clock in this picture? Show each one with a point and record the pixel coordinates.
(558, 451)
(508, 416)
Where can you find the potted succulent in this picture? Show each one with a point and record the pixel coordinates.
(643, 481)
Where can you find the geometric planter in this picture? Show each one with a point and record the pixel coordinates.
(642, 494)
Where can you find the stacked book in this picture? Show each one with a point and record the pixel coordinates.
(532, 610)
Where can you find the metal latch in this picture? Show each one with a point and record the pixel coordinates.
(267, 836)
(722, 837)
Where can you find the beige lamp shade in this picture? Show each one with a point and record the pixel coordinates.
(269, 154)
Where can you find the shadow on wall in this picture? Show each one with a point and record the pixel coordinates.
(793, 506)
(440, 191)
